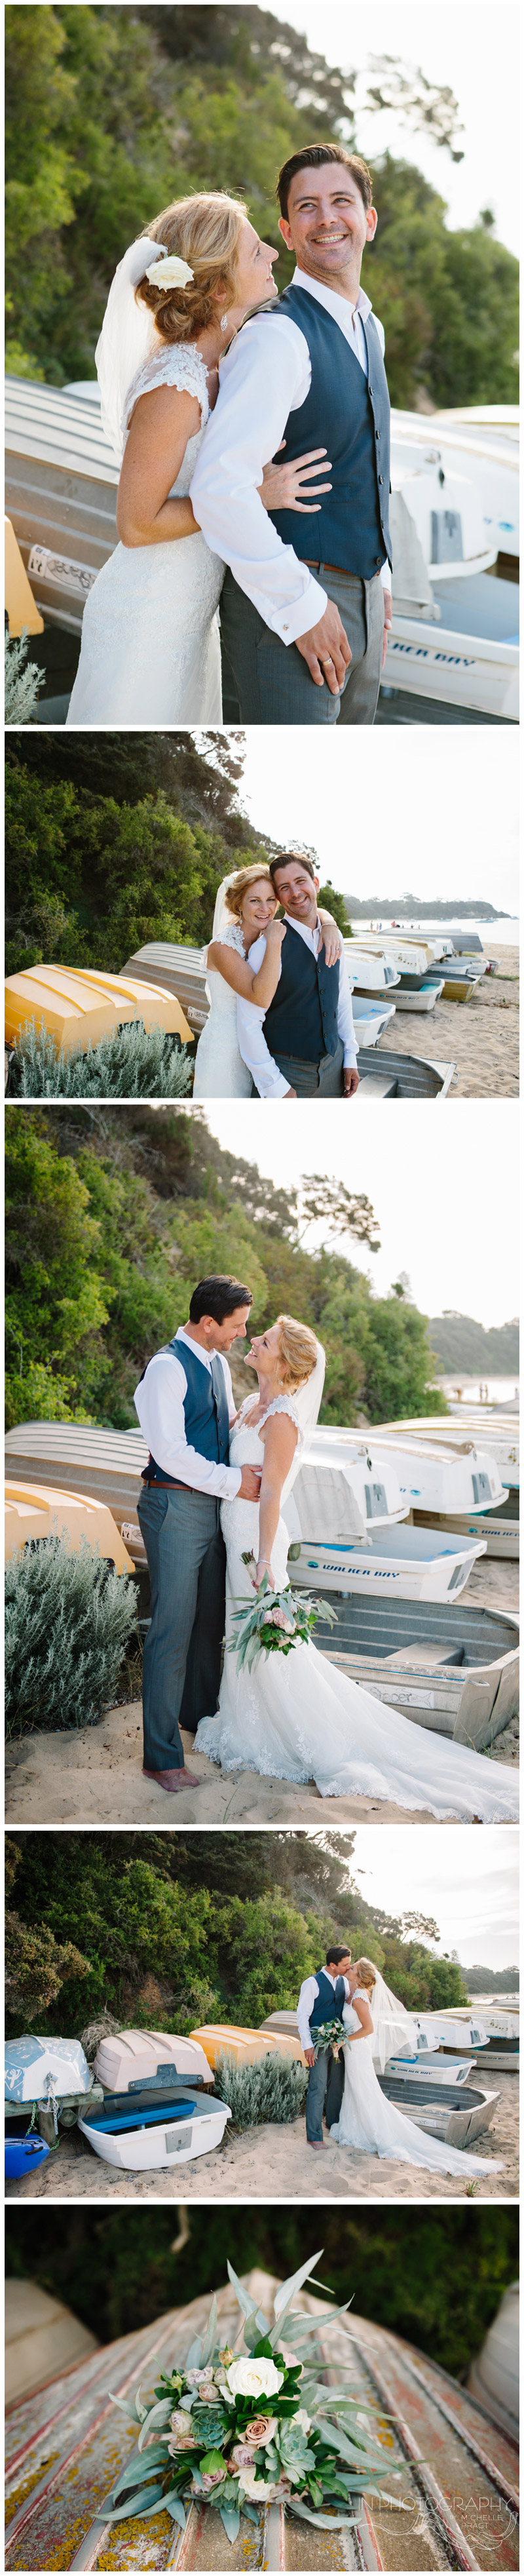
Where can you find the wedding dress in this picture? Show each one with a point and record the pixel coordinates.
(295, 1717)
(375, 2126)
(150, 652)
(220, 1072)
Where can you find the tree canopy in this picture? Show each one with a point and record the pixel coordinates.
(165, 1933)
(113, 112)
(111, 1215)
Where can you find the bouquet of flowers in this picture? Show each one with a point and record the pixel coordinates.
(328, 2034)
(276, 1620)
(238, 2429)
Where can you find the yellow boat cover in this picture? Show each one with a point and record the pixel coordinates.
(78, 1007)
(245, 2045)
(43, 1511)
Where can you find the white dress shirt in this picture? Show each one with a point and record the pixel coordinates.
(261, 382)
(272, 1085)
(159, 1403)
(306, 2001)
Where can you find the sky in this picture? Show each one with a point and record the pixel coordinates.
(470, 49)
(442, 1184)
(316, 788)
(472, 1895)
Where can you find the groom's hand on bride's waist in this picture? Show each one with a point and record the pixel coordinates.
(250, 1483)
(326, 650)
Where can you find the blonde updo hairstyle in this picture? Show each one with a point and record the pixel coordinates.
(205, 230)
(367, 1974)
(298, 1351)
(240, 884)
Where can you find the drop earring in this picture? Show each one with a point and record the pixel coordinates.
(224, 322)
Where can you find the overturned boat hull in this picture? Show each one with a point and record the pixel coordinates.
(500, 1528)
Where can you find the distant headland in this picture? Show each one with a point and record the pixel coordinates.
(396, 907)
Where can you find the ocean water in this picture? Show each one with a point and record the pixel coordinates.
(505, 932)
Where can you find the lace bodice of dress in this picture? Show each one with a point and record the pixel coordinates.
(350, 2018)
(222, 997)
(245, 1438)
(183, 367)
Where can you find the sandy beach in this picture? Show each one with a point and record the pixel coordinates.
(481, 1036)
(273, 2163)
(95, 1776)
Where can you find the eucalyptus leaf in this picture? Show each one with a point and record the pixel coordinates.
(130, 2411)
(157, 2415)
(210, 2333)
(323, 2521)
(194, 2356)
(137, 2470)
(175, 2508)
(248, 2305)
(142, 2503)
(231, 2521)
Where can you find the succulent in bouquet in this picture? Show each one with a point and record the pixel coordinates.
(240, 2427)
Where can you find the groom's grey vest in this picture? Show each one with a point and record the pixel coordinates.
(206, 1412)
(328, 2006)
(302, 1019)
(351, 417)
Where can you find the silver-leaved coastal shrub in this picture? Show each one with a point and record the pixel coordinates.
(273, 2089)
(22, 681)
(127, 1065)
(69, 1617)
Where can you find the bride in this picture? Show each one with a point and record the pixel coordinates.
(295, 1717)
(245, 906)
(367, 2120)
(150, 650)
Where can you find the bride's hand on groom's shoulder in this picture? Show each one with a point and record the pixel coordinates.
(275, 934)
(295, 486)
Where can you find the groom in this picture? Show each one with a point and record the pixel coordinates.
(305, 612)
(322, 1998)
(185, 1407)
(304, 1046)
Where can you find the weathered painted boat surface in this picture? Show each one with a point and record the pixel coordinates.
(451, 1667)
(403, 1077)
(457, 2493)
(62, 481)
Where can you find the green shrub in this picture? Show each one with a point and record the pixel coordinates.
(68, 1620)
(22, 681)
(127, 1065)
(273, 2089)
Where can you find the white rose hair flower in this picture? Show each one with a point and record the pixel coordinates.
(169, 272)
(254, 2378)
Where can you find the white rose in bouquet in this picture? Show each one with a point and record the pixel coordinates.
(257, 2379)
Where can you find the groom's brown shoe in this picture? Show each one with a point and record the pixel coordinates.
(173, 1780)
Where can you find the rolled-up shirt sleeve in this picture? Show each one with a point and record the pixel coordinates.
(264, 377)
(159, 1403)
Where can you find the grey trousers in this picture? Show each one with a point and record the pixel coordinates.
(187, 1566)
(326, 2085)
(322, 1081)
(272, 682)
